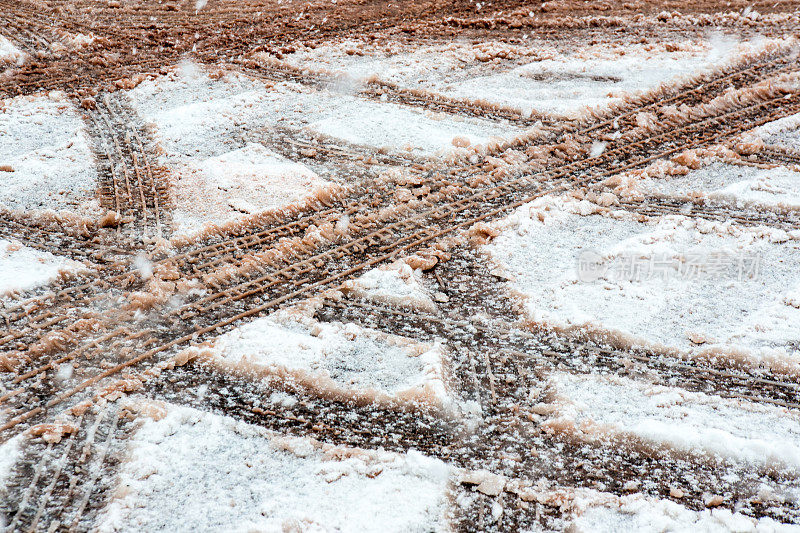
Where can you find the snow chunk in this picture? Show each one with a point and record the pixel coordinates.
(199, 471)
(783, 132)
(252, 180)
(595, 408)
(660, 284)
(45, 156)
(397, 285)
(335, 360)
(23, 268)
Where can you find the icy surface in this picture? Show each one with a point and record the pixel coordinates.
(336, 358)
(740, 185)
(757, 435)
(600, 513)
(23, 268)
(194, 471)
(648, 288)
(45, 159)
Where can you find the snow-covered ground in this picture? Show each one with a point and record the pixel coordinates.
(743, 186)
(536, 77)
(595, 408)
(23, 268)
(191, 470)
(199, 120)
(45, 159)
(702, 288)
(596, 512)
(335, 360)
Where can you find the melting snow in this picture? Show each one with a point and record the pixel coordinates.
(197, 471)
(45, 159)
(647, 287)
(595, 408)
(23, 268)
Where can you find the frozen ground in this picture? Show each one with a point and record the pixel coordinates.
(676, 283)
(335, 360)
(45, 159)
(192, 470)
(595, 408)
(532, 78)
(23, 268)
(743, 186)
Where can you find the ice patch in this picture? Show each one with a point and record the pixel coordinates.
(201, 472)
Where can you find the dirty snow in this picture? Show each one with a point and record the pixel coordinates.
(23, 268)
(599, 513)
(740, 185)
(594, 408)
(673, 283)
(197, 471)
(336, 359)
(536, 77)
(397, 284)
(10, 55)
(45, 159)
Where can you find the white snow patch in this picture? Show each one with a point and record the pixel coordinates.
(599, 512)
(397, 284)
(595, 408)
(202, 472)
(248, 181)
(784, 132)
(335, 359)
(735, 313)
(23, 268)
(10, 55)
(10, 453)
(43, 141)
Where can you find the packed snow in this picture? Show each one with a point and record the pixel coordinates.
(595, 408)
(332, 359)
(600, 513)
(743, 186)
(45, 159)
(23, 268)
(706, 289)
(192, 470)
(396, 284)
(536, 77)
